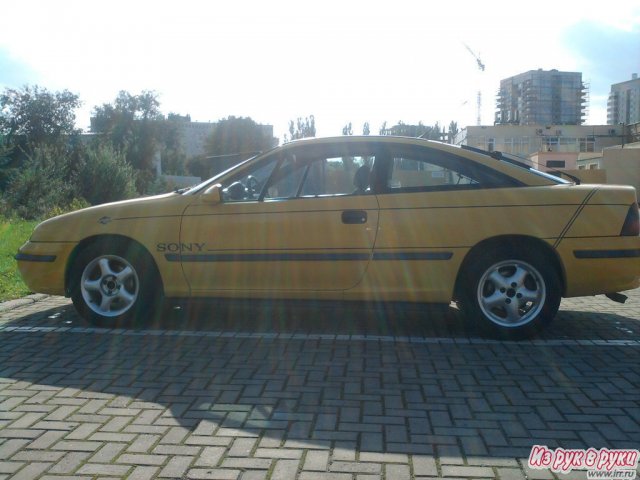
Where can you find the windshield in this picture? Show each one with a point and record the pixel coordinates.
(212, 180)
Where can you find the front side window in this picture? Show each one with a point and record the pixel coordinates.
(248, 186)
(320, 176)
(303, 173)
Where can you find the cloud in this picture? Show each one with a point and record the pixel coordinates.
(608, 55)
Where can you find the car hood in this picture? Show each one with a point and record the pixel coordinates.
(73, 226)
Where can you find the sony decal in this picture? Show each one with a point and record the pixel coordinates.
(180, 247)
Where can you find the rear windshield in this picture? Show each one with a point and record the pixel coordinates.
(525, 164)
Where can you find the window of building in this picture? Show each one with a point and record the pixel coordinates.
(593, 166)
(551, 144)
(555, 163)
(588, 144)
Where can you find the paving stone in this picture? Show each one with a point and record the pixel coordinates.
(308, 402)
(316, 460)
(69, 463)
(424, 466)
(104, 469)
(31, 470)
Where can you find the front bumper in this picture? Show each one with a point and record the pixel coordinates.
(42, 265)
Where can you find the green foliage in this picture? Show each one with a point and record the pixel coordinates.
(200, 166)
(421, 131)
(13, 234)
(32, 117)
(347, 129)
(105, 176)
(173, 158)
(233, 139)
(43, 183)
(133, 124)
(301, 128)
(159, 186)
(72, 206)
(453, 131)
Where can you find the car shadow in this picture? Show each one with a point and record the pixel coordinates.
(331, 318)
(362, 378)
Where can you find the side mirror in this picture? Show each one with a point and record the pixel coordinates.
(212, 195)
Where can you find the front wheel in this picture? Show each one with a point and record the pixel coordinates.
(512, 294)
(112, 284)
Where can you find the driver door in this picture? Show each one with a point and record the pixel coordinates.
(291, 223)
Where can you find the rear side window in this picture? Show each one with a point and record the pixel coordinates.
(426, 169)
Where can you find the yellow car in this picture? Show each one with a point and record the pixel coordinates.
(351, 218)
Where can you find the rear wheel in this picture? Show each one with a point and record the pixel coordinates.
(513, 294)
(113, 284)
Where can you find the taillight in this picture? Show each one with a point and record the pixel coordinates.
(631, 226)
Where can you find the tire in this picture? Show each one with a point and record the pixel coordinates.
(511, 294)
(114, 285)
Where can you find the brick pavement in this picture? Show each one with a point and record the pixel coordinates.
(246, 393)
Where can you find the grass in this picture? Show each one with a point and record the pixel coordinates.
(13, 233)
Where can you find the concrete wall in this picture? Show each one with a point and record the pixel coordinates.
(589, 176)
(622, 165)
(525, 140)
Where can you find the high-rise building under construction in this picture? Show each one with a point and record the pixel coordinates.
(542, 97)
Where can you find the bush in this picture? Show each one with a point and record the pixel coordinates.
(105, 176)
(44, 183)
(75, 204)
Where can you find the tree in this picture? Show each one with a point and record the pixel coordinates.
(173, 156)
(418, 131)
(134, 125)
(347, 129)
(33, 117)
(233, 140)
(453, 131)
(366, 130)
(301, 128)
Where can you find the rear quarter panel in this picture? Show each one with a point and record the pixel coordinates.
(597, 229)
(454, 222)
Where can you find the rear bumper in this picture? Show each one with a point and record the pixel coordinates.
(600, 265)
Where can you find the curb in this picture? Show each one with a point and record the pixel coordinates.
(21, 302)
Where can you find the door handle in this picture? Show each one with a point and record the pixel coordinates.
(354, 216)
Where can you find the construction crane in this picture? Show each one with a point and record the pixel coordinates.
(481, 67)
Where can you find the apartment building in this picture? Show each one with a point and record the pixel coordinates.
(542, 97)
(623, 105)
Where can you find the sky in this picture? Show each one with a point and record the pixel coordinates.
(341, 61)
